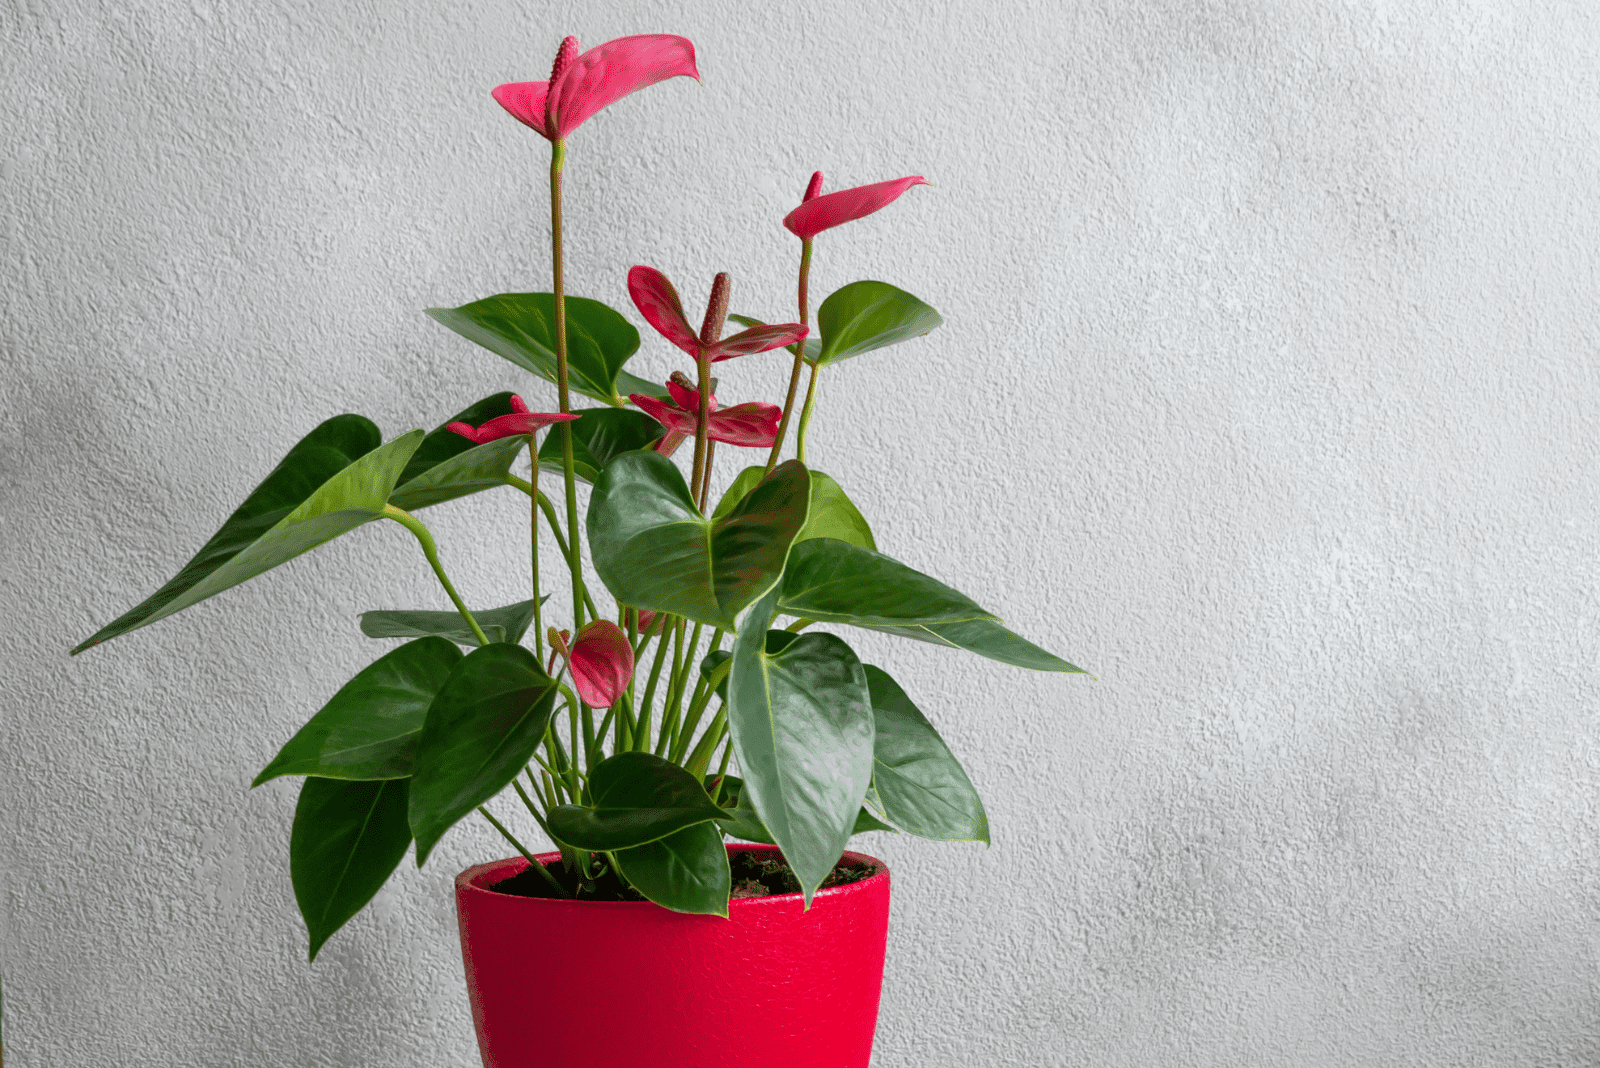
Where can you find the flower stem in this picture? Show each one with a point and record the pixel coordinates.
(520, 848)
(431, 551)
(799, 355)
(533, 550)
(805, 414)
(703, 363)
(558, 158)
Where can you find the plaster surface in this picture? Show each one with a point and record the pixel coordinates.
(1267, 393)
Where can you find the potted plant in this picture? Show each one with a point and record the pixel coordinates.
(689, 699)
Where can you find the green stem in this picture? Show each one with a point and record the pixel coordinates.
(799, 356)
(425, 539)
(805, 414)
(520, 848)
(697, 483)
(700, 759)
(558, 158)
(722, 773)
(642, 734)
(550, 516)
(533, 550)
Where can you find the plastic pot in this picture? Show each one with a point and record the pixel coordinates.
(618, 984)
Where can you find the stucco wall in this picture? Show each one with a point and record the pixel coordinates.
(1267, 393)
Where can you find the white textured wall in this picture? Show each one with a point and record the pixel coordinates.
(1267, 393)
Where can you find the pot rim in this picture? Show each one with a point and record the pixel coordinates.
(476, 879)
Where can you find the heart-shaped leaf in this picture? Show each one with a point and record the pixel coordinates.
(369, 729)
(685, 872)
(481, 729)
(653, 548)
(832, 513)
(506, 624)
(741, 821)
(348, 837)
(634, 798)
(986, 638)
(802, 727)
(864, 316)
(600, 435)
(334, 480)
(827, 579)
(521, 328)
(917, 784)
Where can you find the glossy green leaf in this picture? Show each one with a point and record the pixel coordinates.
(685, 872)
(506, 624)
(832, 513)
(348, 837)
(802, 727)
(599, 436)
(864, 316)
(521, 328)
(634, 798)
(369, 729)
(742, 821)
(917, 784)
(827, 579)
(985, 638)
(440, 447)
(480, 731)
(813, 344)
(334, 480)
(654, 550)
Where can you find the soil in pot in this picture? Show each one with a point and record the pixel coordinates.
(755, 874)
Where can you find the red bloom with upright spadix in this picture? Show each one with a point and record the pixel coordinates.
(819, 213)
(582, 83)
(754, 425)
(520, 421)
(658, 302)
(602, 663)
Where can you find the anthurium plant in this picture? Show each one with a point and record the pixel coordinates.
(690, 699)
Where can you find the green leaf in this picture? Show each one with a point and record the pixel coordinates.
(334, 480)
(832, 513)
(985, 638)
(506, 624)
(599, 435)
(654, 550)
(917, 784)
(686, 872)
(521, 328)
(741, 821)
(369, 729)
(813, 344)
(635, 798)
(801, 721)
(827, 579)
(347, 839)
(708, 667)
(864, 316)
(480, 731)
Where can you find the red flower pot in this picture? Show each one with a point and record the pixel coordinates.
(618, 984)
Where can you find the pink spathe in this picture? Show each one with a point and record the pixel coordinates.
(584, 83)
(753, 425)
(658, 302)
(819, 213)
(602, 663)
(519, 421)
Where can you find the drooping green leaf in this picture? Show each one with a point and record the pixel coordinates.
(634, 798)
(521, 328)
(653, 548)
(827, 579)
(985, 638)
(348, 837)
(741, 821)
(917, 784)
(813, 344)
(480, 731)
(832, 513)
(599, 435)
(863, 316)
(369, 729)
(506, 624)
(685, 872)
(802, 727)
(334, 480)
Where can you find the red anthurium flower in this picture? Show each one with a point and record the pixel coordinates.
(658, 302)
(520, 421)
(602, 663)
(819, 213)
(582, 84)
(754, 425)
